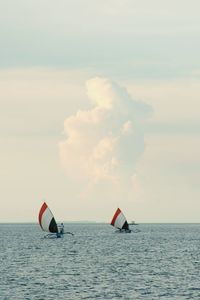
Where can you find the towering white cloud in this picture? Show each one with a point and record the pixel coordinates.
(106, 141)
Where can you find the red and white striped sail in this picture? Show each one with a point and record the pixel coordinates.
(47, 220)
(119, 221)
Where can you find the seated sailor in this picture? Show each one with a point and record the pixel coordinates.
(61, 228)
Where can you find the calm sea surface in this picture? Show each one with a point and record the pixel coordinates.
(158, 262)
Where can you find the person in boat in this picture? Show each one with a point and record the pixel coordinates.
(60, 231)
(61, 228)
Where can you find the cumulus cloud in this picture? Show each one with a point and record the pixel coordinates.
(105, 142)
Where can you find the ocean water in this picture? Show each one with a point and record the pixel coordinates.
(158, 261)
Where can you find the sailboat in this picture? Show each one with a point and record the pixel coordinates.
(133, 223)
(119, 221)
(48, 223)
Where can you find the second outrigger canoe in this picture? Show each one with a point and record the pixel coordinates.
(119, 221)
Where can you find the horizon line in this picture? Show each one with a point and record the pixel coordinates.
(95, 222)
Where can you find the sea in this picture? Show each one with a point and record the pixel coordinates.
(155, 261)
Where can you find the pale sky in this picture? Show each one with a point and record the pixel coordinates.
(100, 108)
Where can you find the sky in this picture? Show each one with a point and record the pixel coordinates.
(100, 108)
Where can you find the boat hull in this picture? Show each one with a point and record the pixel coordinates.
(123, 231)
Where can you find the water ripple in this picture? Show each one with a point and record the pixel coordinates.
(159, 262)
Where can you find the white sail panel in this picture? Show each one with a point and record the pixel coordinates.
(46, 219)
(120, 220)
